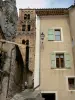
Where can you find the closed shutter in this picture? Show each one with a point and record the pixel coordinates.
(67, 60)
(50, 34)
(53, 60)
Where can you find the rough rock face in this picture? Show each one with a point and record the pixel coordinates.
(11, 74)
(8, 18)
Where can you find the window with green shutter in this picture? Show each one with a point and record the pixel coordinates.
(67, 60)
(50, 34)
(53, 60)
(60, 60)
(54, 34)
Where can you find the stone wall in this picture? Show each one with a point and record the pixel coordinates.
(13, 69)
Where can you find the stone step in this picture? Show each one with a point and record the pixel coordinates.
(28, 95)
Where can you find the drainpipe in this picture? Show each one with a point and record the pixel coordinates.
(37, 54)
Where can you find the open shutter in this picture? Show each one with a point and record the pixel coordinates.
(53, 60)
(67, 60)
(50, 34)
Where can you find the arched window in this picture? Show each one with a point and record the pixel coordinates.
(27, 42)
(23, 41)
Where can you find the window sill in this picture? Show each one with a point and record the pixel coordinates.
(55, 41)
(58, 41)
(71, 90)
(60, 69)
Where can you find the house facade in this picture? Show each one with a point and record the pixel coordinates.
(54, 72)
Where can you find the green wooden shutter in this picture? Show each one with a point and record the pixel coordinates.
(50, 34)
(53, 60)
(67, 60)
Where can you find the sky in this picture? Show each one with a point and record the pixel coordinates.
(44, 3)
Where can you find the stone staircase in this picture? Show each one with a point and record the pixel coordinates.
(28, 95)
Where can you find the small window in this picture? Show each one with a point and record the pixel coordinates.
(27, 42)
(28, 16)
(23, 27)
(28, 27)
(57, 34)
(54, 34)
(71, 83)
(60, 60)
(25, 16)
(23, 41)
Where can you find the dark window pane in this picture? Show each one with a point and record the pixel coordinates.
(71, 82)
(23, 27)
(28, 27)
(25, 16)
(62, 63)
(60, 60)
(28, 16)
(23, 41)
(57, 63)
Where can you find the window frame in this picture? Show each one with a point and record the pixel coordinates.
(26, 16)
(65, 68)
(67, 77)
(24, 27)
(59, 54)
(61, 30)
(28, 27)
(57, 35)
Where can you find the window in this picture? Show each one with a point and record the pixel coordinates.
(57, 34)
(26, 16)
(60, 60)
(54, 34)
(23, 27)
(71, 83)
(28, 27)
(27, 42)
(23, 41)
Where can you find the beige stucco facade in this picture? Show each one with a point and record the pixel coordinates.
(55, 80)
